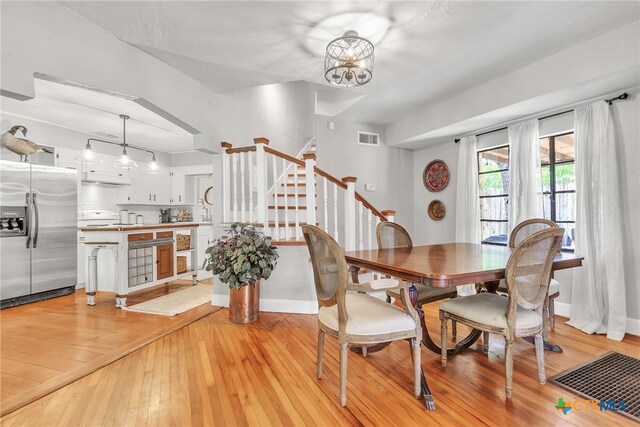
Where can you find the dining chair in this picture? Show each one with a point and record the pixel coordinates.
(356, 318)
(527, 275)
(521, 232)
(391, 235)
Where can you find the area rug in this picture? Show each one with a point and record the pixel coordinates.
(612, 380)
(175, 303)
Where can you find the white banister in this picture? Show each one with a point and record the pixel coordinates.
(350, 213)
(242, 185)
(226, 181)
(369, 217)
(251, 184)
(310, 179)
(234, 166)
(296, 202)
(360, 228)
(325, 200)
(286, 200)
(261, 182)
(335, 212)
(274, 166)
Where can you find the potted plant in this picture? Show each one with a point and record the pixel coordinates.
(240, 259)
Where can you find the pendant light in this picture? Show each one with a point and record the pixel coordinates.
(124, 162)
(87, 156)
(152, 167)
(349, 60)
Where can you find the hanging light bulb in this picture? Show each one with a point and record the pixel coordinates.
(125, 162)
(153, 167)
(87, 156)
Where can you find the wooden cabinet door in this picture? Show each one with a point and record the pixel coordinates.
(164, 254)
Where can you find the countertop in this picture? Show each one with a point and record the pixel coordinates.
(135, 227)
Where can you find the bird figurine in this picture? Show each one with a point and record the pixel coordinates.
(20, 146)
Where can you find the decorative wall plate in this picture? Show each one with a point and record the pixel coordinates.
(436, 176)
(436, 210)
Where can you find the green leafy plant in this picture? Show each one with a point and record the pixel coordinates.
(242, 256)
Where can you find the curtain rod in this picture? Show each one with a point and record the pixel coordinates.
(609, 101)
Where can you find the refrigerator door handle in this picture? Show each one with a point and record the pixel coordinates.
(37, 219)
(27, 219)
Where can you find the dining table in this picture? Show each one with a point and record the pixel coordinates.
(445, 265)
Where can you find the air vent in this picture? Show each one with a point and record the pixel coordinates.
(367, 138)
(107, 135)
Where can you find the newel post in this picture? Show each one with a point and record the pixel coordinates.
(350, 213)
(261, 182)
(310, 179)
(226, 181)
(390, 215)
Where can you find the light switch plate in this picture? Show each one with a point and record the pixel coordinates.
(370, 187)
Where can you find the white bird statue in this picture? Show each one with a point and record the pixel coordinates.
(21, 146)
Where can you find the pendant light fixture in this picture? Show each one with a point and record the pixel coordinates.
(349, 60)
(124, 162)
(88, 157)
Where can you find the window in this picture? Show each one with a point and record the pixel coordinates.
(557, 157)
(493, 170)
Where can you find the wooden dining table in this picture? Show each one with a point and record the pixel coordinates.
(445, 265)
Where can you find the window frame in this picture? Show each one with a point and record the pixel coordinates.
(505, 195)
(552, 179)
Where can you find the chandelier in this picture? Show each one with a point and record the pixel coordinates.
(349, 60)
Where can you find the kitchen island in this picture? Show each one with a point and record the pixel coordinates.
(143, 256)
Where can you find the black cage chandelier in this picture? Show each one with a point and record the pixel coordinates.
(349, 60)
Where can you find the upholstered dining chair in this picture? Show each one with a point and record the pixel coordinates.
(356, 318)
(521, 232)
(391, 235)
(527, 275)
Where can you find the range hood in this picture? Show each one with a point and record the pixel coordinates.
(100, 177)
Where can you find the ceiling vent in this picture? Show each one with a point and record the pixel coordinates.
(368, 138)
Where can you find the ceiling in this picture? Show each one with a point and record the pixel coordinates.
(97, 113)
(432, 50)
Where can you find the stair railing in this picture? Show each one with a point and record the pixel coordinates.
(342, 212)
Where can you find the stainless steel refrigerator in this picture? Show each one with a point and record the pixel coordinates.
(38, 206)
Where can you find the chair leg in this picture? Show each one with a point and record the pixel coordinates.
(388, 299)
(508, 370)
(344, 351)
(320, 353)
(545, 317)
(540, 358)
(417, 367)
(552, 313)
(364, 351)
(485, 342)
(454, 330)
(443, 339)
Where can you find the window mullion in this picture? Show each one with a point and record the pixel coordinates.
(552, 177)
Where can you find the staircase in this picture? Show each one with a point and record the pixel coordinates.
(279, 193)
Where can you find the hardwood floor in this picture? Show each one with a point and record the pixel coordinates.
(49, 344)
(215, 373)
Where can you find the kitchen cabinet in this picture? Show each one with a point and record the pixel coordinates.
(66, 158)
(178, 186)
(146, 189)
(164, 260)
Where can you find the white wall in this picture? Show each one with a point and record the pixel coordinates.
(339, 153)
(626, 115)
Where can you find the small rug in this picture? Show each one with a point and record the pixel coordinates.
(175, 303)
(612, 379)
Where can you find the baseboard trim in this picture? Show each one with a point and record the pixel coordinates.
(563, 309)
(274, 305)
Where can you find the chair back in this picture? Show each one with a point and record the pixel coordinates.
(391, 235)
(527, 228)
(329, 267)
(528, 270)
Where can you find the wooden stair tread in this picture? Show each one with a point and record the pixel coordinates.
(300, 184)
(290, 223)
(292, 195)
(289, 242)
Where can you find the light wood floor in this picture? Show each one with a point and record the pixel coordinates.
(49, 344)
(216, 373)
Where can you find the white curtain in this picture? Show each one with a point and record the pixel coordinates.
(598, 302)
(467, 201)
(525, 184)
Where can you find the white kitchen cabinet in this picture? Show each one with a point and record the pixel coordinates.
(178, 186)
(66, 158)
(146, 188)
(183, 183)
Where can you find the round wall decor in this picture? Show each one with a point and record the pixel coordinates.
(436, 176)
(436, 210)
